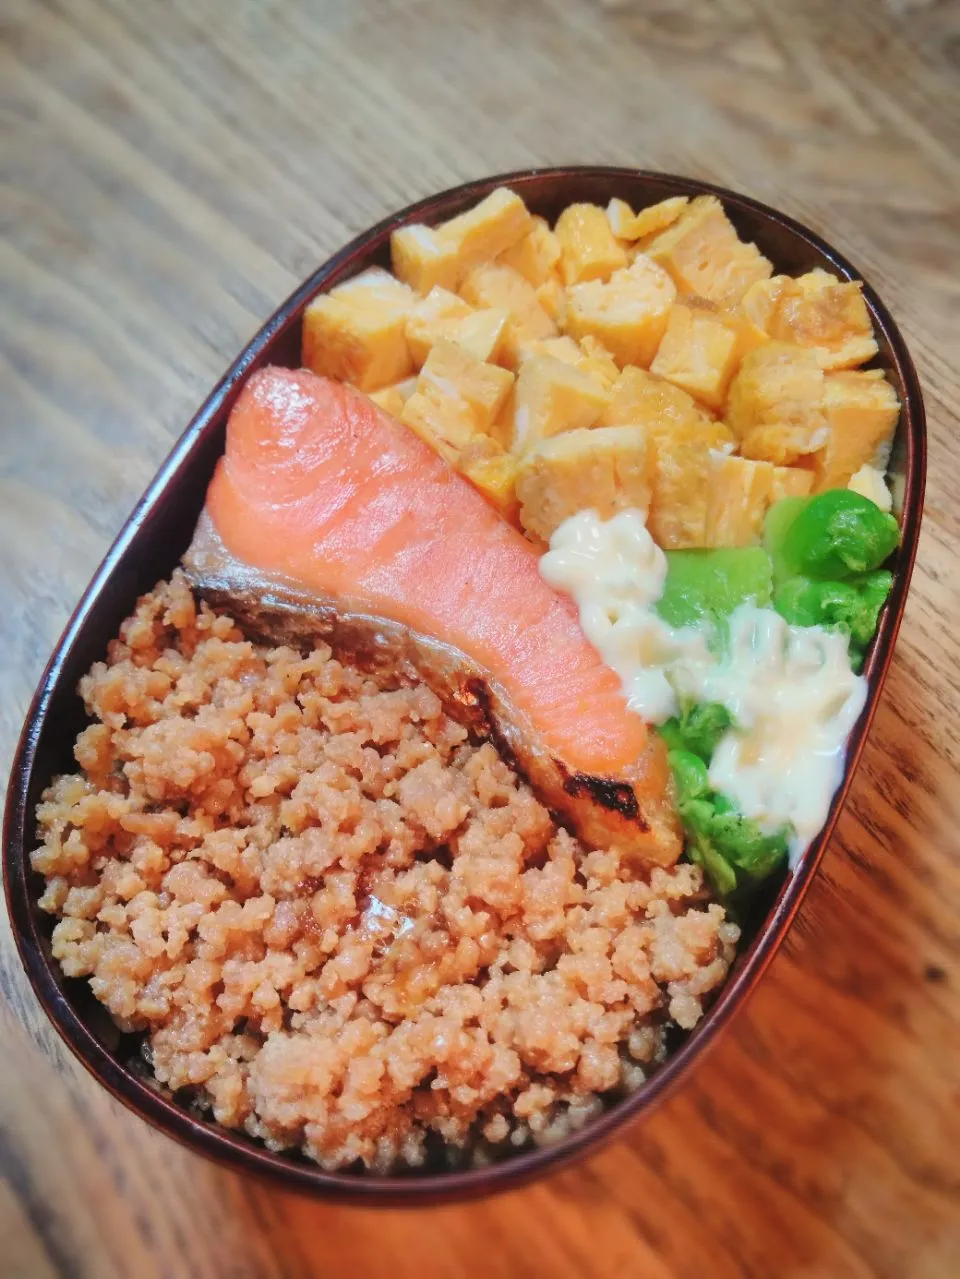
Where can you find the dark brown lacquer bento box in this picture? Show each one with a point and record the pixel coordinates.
(157, 534)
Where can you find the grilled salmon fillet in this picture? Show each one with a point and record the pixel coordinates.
(328, 519)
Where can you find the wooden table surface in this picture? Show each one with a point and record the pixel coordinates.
(170, 169)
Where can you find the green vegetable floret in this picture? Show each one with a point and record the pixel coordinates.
(734, 852)
(831, 536)
(826, 552)
(711, 583)
(697, 729)
(851, 607)
(823, 554)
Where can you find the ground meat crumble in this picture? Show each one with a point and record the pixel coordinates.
(340, 923)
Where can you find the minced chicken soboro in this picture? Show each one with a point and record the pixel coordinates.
(342, 925)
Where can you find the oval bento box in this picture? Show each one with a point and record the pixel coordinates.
(158, 532)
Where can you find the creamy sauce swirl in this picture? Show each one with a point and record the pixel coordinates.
(791, 689)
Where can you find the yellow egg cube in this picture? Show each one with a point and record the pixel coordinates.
(493, 472)
(641, 398)
(430, 318)
(597, 361)
(705, 256)
(552, 396)
(422, 259)
(760, 301)
(700, 351)
(754, 312)
(457, 397)
(552, 297)
(589, 355)
(861, 410)
(427, 256)
(483, 333)
(816, 310)
(536, 256)
(357, 332)
(627, 314)
(790, 481)
(481, 234)
(498, 287)
(827, 315)
(442, 314)
(738, 495)
(627, 225)
(749, 335)
(561, 348)
(620, 216)
(729, 496)
(682, 437)
(501, 429)
(376, 287)
(393, 398)
(606, 470)
(682, 466)
(775, 404)
(814, 280)
(871, 483)
(588, 248)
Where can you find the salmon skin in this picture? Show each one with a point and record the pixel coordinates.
(328, 519)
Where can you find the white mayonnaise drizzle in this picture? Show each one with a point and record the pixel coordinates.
(791, 689)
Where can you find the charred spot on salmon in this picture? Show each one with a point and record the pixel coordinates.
(475, 696)
(472, 694)
(618, 797)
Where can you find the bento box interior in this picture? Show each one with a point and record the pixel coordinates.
(161, 527)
